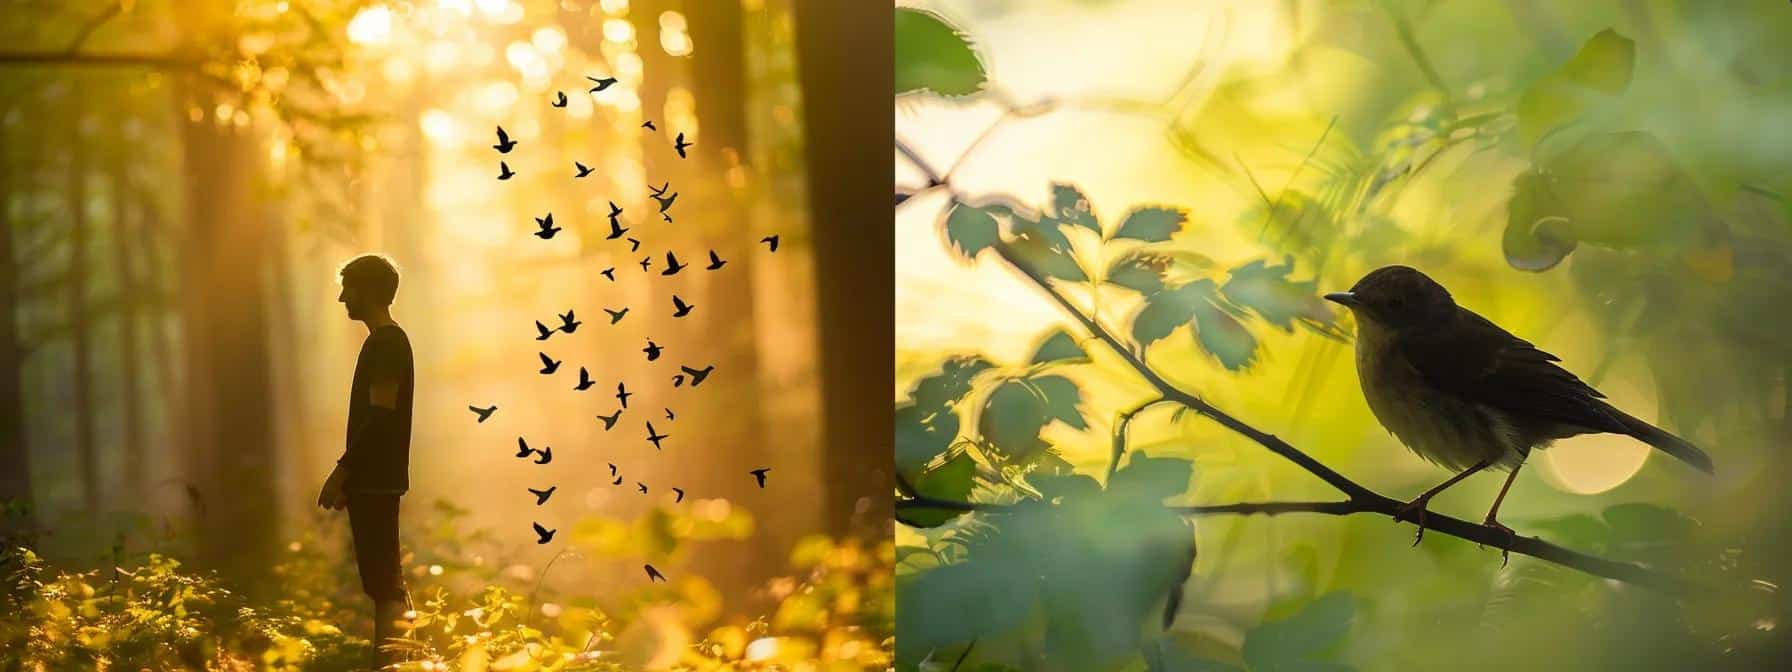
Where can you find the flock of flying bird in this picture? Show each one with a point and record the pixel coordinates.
(569, 322)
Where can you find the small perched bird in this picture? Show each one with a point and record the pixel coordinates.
(680, 144)
(649, 125)
(542, 331)
(759, 475)
(583, 170)
(545, 455)
(504, 142)
(504, 171)
(680, 493)
(568, 323)
(715, 262)
(697, 375)
(559, 99)
(653, 350)
(1467, 395)
(679, 307)
(616, 315)
(771, 241)
(622, 394)
(483, 413)
(654, 574)
(541, 496)
(602, 83)
(547, 227)
(610, 420)
(609, 273)
(543, 535)
(672, 264)
(522, 448)
(585, 381)
(548, 366)
(655, 437)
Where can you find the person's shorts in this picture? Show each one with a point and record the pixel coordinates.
(373, 520)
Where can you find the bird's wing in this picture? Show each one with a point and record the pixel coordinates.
(1475, 359)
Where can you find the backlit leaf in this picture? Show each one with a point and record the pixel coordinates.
(932, 55)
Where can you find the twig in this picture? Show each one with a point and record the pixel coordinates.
(92, 24)
(1120, 427)
(1403, 30)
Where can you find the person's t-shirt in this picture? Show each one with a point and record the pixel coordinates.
(379, 461)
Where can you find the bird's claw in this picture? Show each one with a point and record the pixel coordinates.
(1511, 538)
(1409, 507)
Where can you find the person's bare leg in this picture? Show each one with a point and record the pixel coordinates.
(1493, 517)
(1423, 499)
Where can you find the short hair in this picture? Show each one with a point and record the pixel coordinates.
(374, 274)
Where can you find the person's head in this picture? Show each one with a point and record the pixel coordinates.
(369, 282)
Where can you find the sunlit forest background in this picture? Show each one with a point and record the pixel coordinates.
(181, 182)
(1606, 179)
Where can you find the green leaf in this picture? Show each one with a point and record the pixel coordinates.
(932, 55)
(1070, 206)
(1053, 486)
(940, 391)
(1152, 478)
(970, 229)
(921, 438)
(1164, 311)
(1268, 292)
(1032, 249)
(1061, 397)
(1152, 225)
(1222, 336)
(1600, 69)
(949, 482)
(1140, 271)
(1059, 347)
(1011, 419)
(1300, 641)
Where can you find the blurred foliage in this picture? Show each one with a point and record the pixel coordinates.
(1560, 167)
(834, 611)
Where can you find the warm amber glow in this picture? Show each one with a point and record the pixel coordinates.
(371, 26)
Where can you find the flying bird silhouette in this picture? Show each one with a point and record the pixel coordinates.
(543, 331)
(653, 350)
(547, 227)
(655, 437)
(654, 574)
(504, 142)
(666, 217)
(545, 455)
(642, 486)
(715, 262)
(680, 144)
(680, 493)
(616, 230)
(759, 475)
(559, 99)
(609, 273)
(669, 416)
(660, 190)
(697, 375)
(618, 481)
(616, 315)
(678, 380)
(582, 168)
(585, 381)
(633, 244)
(665, 201)
(679, 307)
(672, 265)
(612, 468)
(548, 366)
(483, 412)
(645, 262)
(541, 496)
(615, 210)
(649, 125)
(610, 420)
(568, 323)
(771, 240)
(522, 448)
(622, 394)
(543, 535)
(504, 172)
(602, 83)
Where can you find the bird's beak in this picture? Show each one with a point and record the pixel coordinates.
(1344, 298)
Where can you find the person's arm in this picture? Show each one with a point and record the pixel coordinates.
(377, 418)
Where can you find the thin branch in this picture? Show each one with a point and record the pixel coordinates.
(1403, 30)
(1120, 427)
(92, 24)
(159, 61)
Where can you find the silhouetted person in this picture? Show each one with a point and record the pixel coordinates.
(374, 469)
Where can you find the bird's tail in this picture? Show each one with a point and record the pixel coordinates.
(1667, 443)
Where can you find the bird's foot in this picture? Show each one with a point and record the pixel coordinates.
(1416, 509)
(1511, 538)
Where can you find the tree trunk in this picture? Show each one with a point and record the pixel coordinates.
(845, 56)
(15, 459)
(79, 326)
(131, 298)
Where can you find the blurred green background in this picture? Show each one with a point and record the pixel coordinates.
(1606, 179)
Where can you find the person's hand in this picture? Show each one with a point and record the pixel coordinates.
(333, 495)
